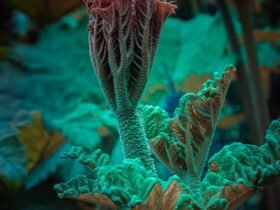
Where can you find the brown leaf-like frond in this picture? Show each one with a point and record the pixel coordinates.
(160, 198)
(39, 142)
(236, 195)
(183, 146)
(95, 198)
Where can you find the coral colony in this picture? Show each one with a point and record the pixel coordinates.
(123, 37)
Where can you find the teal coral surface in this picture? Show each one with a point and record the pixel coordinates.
(235, 173)
(182, 142)
(138, 123)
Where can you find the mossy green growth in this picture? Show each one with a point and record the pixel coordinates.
(235, 173)
(122, 49)
(125, 185)
(182, 142)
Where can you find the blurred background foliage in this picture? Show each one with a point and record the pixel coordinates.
(44, 12)
(50, 98)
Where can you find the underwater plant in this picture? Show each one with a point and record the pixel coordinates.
(123, 37)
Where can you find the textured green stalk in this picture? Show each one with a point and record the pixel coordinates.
(123, 37)
(133, 138)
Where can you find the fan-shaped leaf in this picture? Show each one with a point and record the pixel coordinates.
(182, 142)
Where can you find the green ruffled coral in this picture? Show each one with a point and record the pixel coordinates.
(122, 65)
(123, 185)
(91, 160)
(250, 164)
(235, 173)
(238, 170)
(182, 142)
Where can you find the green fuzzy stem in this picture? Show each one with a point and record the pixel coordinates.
(133, 138)
(123, 39)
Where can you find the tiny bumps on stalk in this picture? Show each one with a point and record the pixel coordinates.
(123, 37)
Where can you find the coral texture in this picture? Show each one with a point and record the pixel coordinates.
(235, 173)
(182, 142)
(238, 171)
(122, 185)
(123, 36)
